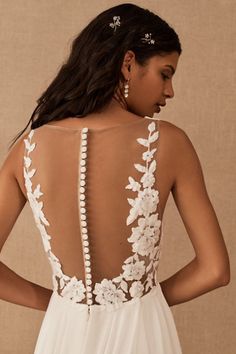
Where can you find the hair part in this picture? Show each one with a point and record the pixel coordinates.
(87, 80)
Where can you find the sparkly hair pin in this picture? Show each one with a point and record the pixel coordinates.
(148, 38)
(115, 23)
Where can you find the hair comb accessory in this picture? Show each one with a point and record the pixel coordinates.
(148, 38)
(115, 23)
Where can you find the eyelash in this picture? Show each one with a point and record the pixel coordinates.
(165, 77)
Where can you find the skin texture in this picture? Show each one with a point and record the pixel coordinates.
(183, 177)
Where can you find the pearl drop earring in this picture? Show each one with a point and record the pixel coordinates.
(126, 91)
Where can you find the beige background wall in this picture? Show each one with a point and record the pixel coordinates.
(34, 39)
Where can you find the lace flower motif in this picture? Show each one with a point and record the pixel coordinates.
(74, 290)
(107, 293)
(134, 271)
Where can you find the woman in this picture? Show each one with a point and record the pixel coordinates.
(97, 168)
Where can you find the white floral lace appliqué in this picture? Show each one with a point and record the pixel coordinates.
(68, 287)
(145, 236)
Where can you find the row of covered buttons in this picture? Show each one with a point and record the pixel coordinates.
(83, 156)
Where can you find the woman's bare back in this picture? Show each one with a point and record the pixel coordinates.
(112, 182)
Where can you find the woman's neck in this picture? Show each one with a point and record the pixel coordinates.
(118, 99)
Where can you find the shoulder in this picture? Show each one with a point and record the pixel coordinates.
(13, 158)
(176, 145)
(173, 135)
(171, 128)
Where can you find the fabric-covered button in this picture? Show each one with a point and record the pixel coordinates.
(90, 302)
(82, 162)
(82, 196)
(85, 243)
(87, 263)
(84, 230)
(83, 169)
(87, 256)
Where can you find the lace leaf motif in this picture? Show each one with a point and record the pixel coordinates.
(71, 288)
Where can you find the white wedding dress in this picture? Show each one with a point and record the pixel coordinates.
(94, 199)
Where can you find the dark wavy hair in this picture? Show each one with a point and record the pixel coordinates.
(87, 80)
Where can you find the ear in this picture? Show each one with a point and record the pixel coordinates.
(128, 62)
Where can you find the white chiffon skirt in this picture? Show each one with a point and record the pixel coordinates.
(139, 326)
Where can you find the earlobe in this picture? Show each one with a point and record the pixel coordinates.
(125, 69)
